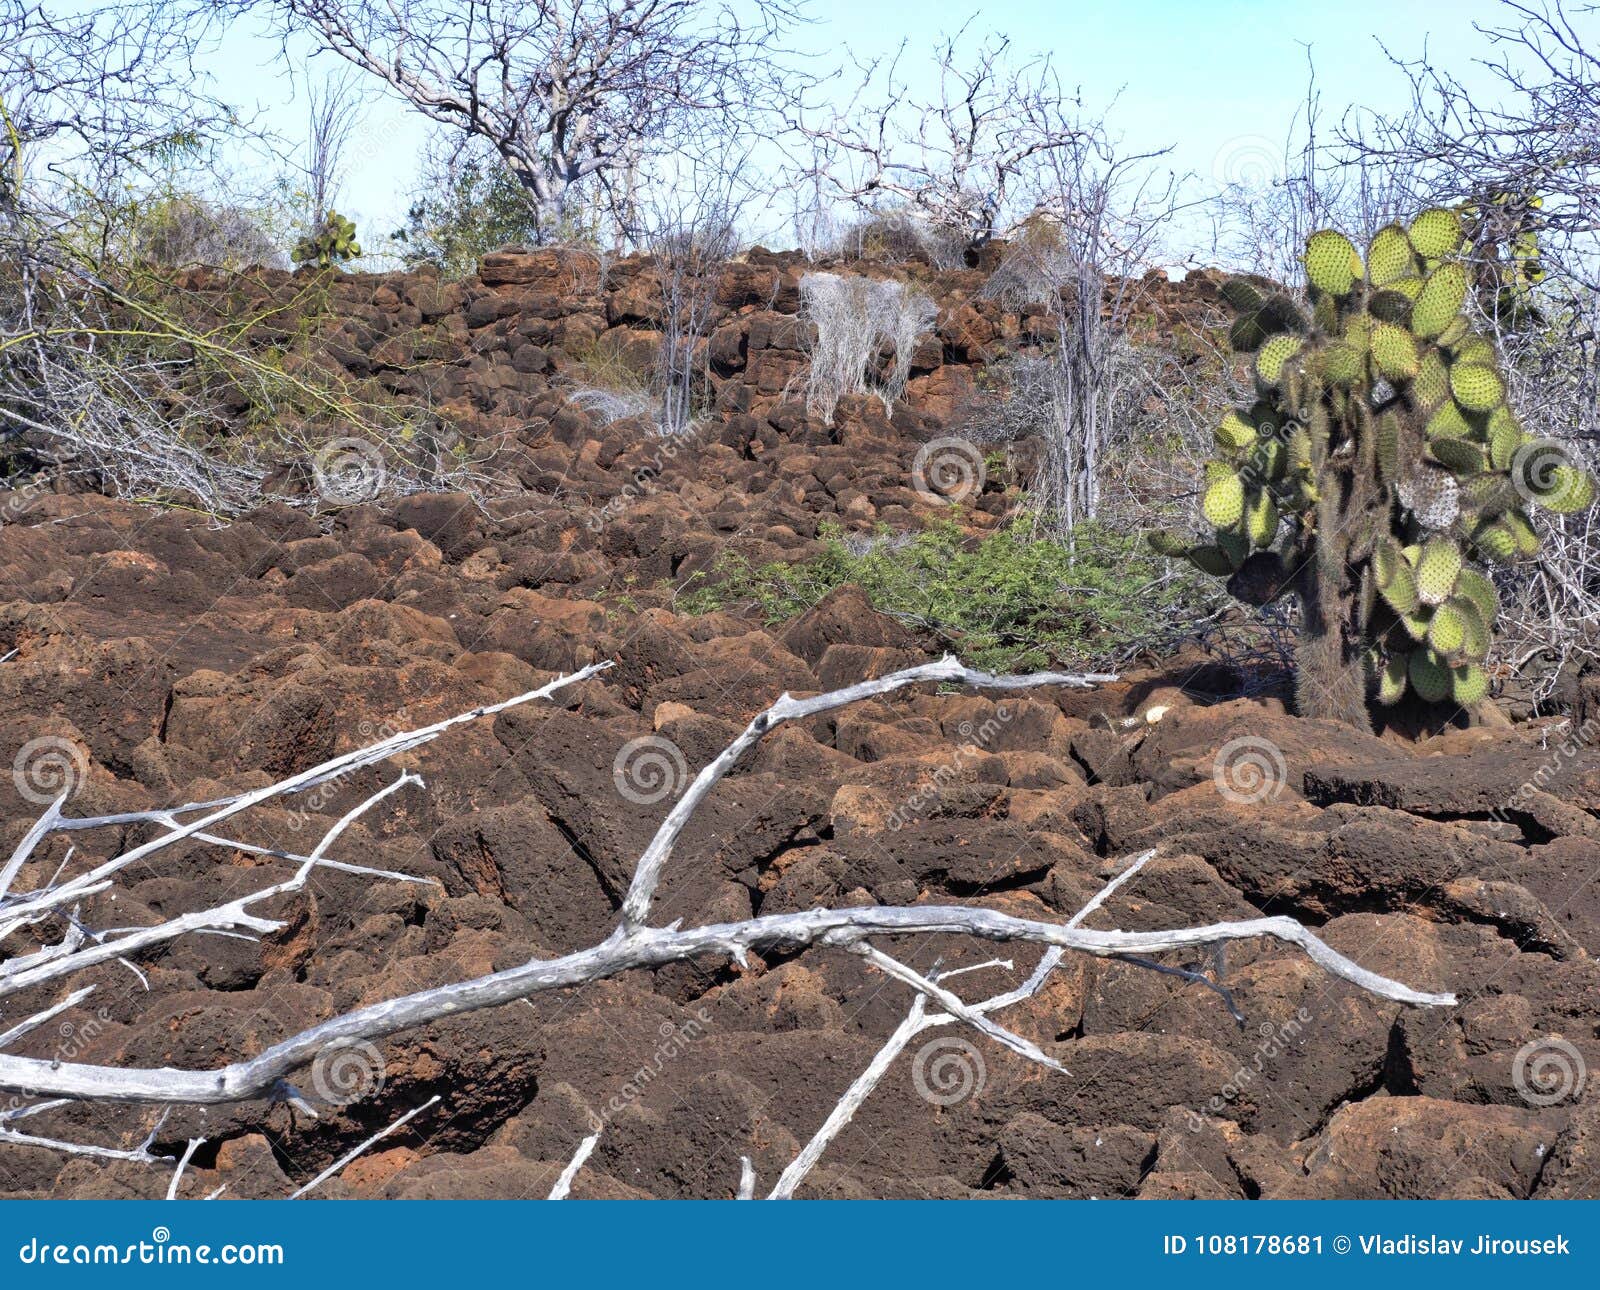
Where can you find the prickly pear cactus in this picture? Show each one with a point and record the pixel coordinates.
(1378, 470)
(332, 243)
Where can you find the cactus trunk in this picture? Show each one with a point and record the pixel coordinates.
(1330, 666)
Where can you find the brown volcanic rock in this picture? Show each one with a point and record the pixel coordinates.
(844, 617)
(1416, 1148)
(183, 659)
(1494, 779)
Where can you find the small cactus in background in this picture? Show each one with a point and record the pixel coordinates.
(332, 242)
(1377, 470)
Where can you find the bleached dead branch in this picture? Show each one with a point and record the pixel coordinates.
(918, 1020)
(366, 1146)
(855, 320)
(632, 944)
(183, 1163)
(563, 1187)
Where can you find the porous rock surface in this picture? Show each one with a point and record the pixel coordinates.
(186, 659)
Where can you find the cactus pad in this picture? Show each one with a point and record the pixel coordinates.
(1469, 685)
(1477, 387)
(1438, 567)
(1442, 297)
(1332, 264)
(1436, 233)
(1273, 356)
(1430, 677)
(1223, 504)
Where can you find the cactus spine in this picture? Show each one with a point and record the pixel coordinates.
(1384, 469)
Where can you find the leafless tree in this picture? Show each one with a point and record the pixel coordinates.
(100, 87)
(573, 95)
(1536, 136)
(1086, 255)
(87, 98)
(1273, 194)
(1113, 211)
(101, 381)
(332, 111)
(964, 159)
(688, 224)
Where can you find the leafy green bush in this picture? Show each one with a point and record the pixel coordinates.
(467, 210)
(469, 205)
(1005, 602)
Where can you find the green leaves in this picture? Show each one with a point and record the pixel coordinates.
(1008, 602)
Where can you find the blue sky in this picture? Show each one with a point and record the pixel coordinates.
(1217, 80)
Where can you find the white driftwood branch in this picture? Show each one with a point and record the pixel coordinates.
(46, 823)
(633, 945)
(334, 768)
(563, 1185)
(636, 906)
(183, 1163)
(376, 1138)
(916, 1022)
(845, 1109)
(138, 1155)
(33, 969)
(956, 1007)
(654, 948)
(30, 1024)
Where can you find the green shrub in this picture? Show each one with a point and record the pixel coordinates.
(1005, 602)
(468, 209)
(469, 205)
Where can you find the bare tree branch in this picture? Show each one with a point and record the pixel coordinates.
(563, 1185)
(572, 94)
(333, 1169)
